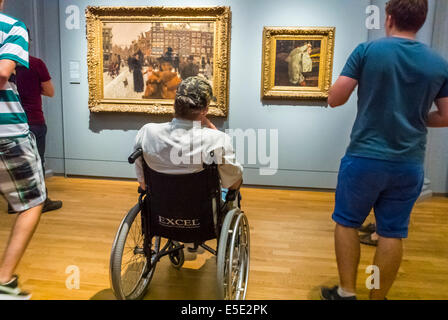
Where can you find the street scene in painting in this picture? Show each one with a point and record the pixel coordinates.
(297, 63)
(149, 60)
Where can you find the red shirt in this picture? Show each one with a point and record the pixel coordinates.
(30, 90)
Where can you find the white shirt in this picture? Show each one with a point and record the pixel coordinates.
(182, 146)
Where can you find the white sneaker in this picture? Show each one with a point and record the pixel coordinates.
(11, 291)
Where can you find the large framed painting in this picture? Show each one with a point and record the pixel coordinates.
(297, 63)
(137, 56)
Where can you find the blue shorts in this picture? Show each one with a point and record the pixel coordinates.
(390, 188)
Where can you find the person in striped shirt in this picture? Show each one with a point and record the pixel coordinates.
(21, 175)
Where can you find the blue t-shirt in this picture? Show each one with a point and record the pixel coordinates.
(399, 79)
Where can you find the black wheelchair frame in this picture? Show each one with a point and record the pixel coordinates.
(231, 229)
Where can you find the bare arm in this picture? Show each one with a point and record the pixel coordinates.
(207, 123)
(341, 91)
(439, 118)
(47, 89)
(7, 68)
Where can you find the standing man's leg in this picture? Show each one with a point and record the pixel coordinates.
(359, 184)
(392, 212)
(40, 133)
(347, 249)
(21, 234)
(388, 257)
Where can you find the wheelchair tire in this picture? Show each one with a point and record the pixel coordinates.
(177, 258)
(234, 229)
(131, 226)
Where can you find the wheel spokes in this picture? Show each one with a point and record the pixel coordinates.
(133, 262)
(238, 260)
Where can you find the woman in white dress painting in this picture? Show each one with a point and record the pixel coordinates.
(299, 61)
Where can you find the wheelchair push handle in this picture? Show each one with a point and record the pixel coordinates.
(135, 155)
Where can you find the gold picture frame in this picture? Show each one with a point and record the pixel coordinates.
(287, 51)
(217, 18)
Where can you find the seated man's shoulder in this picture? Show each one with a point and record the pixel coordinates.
(154, 127)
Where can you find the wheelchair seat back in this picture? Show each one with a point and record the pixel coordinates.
(180, 207)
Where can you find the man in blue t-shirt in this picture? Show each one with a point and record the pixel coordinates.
(398, 81)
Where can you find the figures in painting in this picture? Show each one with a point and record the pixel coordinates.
(136, 67)
(189, 69)
(149, 60)
(299, 62)
(208, 70)
(162, 84)
(176, 63)
(114, 66)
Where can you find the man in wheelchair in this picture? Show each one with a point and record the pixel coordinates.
(183, 145)
(182, 166)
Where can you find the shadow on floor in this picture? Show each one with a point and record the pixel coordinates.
(314, 294)
(196, 280)
(106, 294)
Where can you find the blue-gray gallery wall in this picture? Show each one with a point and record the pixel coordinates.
(312, 138)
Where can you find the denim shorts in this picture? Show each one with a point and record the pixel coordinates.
(389, 188)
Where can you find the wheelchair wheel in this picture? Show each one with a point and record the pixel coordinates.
(234, 256)
(177, 258)
(130, 270)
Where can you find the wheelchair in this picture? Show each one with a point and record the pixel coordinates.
(178, 209)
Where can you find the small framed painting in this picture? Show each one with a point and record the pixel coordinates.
(297, 63)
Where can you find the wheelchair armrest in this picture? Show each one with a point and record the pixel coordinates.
(135, 155)
(231, 195)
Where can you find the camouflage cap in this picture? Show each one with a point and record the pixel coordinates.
(197, 89)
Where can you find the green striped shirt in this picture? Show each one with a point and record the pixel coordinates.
(13, 46)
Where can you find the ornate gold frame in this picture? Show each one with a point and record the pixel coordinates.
(96, 16)
(270, 36)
